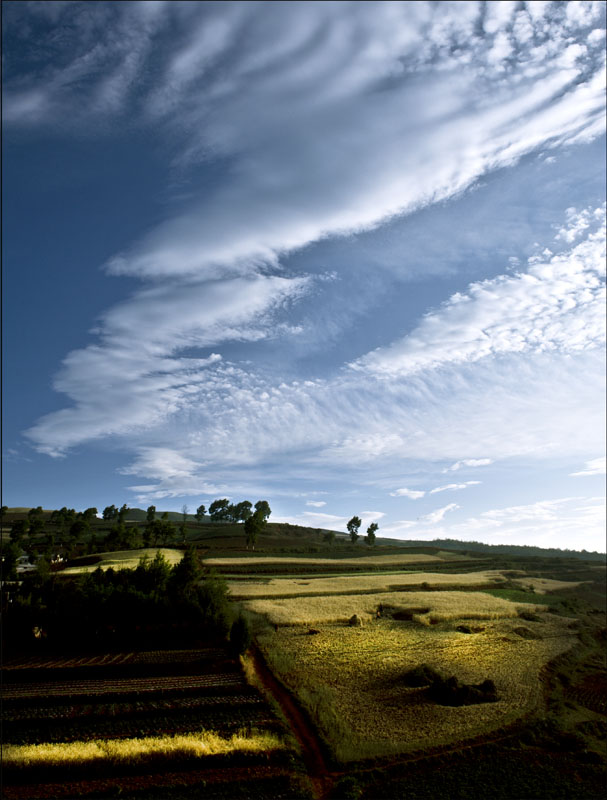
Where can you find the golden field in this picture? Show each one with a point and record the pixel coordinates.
(350, 678)
(132, 751)
(350, 584)
(371, 561)
(426, 607)
(544, 585)
(126, 559)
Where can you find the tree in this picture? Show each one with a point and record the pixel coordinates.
(167, 531)
(240, 635)
(371, 533)
(110, 512)
(253, 526)
(263, 508)
(124, 510)
(187, 573)
(19, 529)
(200, 512)
(353, 526)
(78, 529)
(35, 512)
(90, 514)
(10, 554)
(151, 515)
(329, 537)
(242, 511)
(219, 509)
(184, 513)
(36, 527)
(183, 530)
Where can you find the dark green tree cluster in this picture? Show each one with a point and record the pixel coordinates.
(223, 511)
(354, 526)
(152, 603)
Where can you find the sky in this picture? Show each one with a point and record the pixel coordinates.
(347, 257)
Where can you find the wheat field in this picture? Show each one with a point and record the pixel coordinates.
(350, 679)
(544, 585)
(371, 561)
(426, 607)
(350, 584)
(132, 751)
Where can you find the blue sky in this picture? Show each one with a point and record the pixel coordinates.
(345, 257)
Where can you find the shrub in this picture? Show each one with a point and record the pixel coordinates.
(240, 635)
(451, 692)
(422, 675)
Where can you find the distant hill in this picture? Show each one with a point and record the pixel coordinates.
(501, 549)
(139, 515)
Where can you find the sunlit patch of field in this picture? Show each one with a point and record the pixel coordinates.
(378, 561)
(350, 679)
(543, 585)
(126, 559)
(426, 607)
(344, 584)
(132, 751)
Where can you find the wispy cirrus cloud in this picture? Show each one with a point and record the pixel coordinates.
(439, 514)
(320, 119)
(137, 376)
(558, 304)
(454, 487)
(469, 462)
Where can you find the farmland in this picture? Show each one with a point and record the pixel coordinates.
(372, 672)
(85, 716)
(347, 673)
(359, 584)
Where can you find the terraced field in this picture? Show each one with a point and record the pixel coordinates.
(184, 706)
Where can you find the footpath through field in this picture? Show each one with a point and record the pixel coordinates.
(321, 777)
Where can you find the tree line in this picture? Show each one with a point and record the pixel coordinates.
(151, 604)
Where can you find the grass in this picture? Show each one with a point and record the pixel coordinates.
(426, 607)
(125, 559)
(137, 750)
(348, 584)
(522, 596)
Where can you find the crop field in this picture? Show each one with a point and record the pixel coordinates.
(125, 559)
(543, 585)
(142, 711)
(371, 561)
(354, 584)
(351, 678)
(423, 607)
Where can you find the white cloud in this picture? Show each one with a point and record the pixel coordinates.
(355, 112)
(175, 475)
(316, 503)
(469, 462)
(412, 494)
(134, 378)
(454, 486)
(596, 466)
(558, 304)
(436, 516)
(568, 523)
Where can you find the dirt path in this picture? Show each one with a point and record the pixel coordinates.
(320, 775)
